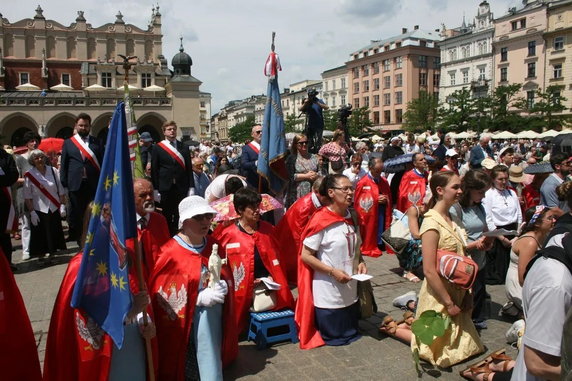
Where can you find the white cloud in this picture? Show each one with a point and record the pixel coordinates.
(229, 40)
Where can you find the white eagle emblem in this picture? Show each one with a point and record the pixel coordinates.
(238, 273)
(366, 203)
(90, 331)
(174, 302)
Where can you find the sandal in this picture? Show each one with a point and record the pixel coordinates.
(389, 326)
(411, 277)
(482, 367)
(500, 356)
(408, 317)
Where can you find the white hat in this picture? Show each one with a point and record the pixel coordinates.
(451, 153)
(193, 206)
(394, 138)
(488, 163)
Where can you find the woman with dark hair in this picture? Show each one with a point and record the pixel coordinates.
(503, 211)
(251, 248)
(440, 232)
(336, 152)
(539, 221)
(470, 213)
(328, 307)
(222, 166)
(302, 167)
(44, 197)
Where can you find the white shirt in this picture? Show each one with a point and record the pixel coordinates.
(354, 177)
(215, 190)
(39, 200)
(502, 208)
(333, 250)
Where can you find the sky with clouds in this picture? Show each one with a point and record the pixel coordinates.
(229, 40)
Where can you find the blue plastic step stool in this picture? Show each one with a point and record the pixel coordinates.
(260, 322)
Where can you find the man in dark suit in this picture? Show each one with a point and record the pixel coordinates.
(249, 160)
(81, 160)
(171, 174)
(480, 152)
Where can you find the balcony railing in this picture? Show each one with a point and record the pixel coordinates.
(8, 100)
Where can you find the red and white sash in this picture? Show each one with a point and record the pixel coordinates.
(255, 147)
(172, 151)
(44, 190)
(12, 223)
(85, 150)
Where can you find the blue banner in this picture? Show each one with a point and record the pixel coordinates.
(102, 285)
(272, 156)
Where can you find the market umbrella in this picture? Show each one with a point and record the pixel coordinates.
(27, 87)
(131, 88)
(61, 87)
(398, 163)
(51, 145)
(154, 88)
(226, 212)
(548, 134)
(528, 134)
(95, 87)
(562, 143)
(505, 135)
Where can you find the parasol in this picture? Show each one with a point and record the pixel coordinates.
(537, 168)
(61, 87)
(226, 212)
(397, 164)
(51, 145)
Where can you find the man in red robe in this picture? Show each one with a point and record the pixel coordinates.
(372, 203)
(152, 228)
(19, 358)
(239, 248)
(413, 181)
(289, 230)
(88, 349)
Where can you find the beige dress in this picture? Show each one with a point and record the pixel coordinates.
(461, 339)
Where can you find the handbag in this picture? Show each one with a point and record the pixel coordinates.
(263, 299)
(397, 236)
(457, 269)
(367, 303)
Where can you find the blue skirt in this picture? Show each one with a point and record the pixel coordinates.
(338, 326)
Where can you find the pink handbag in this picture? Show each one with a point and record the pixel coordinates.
(457, 269)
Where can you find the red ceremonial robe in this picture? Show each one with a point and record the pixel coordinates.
(289, 232)
(174, 289)
(531, 197)
(239, 250)
(367, 209)
(87, 348)
(410, 182)
(18, 353)
(155, 234)
(304, 316)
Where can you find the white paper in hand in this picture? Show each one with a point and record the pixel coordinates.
(362, 277)
(270, 284)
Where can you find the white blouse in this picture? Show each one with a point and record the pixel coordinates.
(502, 208)
(52, 185)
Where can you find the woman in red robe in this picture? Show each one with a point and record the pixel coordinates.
(195, 329)
(251, 249)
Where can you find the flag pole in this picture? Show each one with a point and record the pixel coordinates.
(138, 254)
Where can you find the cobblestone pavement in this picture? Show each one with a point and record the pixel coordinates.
(373, 357)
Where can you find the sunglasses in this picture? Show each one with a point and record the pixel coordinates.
(303, 143)
(258, 132)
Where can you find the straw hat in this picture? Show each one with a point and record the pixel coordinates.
(515, 174)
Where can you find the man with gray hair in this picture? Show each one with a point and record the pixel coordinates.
(480, 151)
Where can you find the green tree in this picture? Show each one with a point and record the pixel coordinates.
(293, 124)
(421, 114)
(330, 120)
(505, 110)
(546, 104)
(359, 121)
(241, 132)
(459, 112)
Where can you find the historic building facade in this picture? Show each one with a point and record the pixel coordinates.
(385, 75)
(50, 72)
(467, 56)
(335, 87)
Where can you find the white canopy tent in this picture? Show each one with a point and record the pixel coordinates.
(61, 87)
(548, 134)
(504, 135)
(528, 134)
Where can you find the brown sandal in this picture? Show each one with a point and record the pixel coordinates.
(481, 367)
(389, 326)
(408, 317)
(500, 356)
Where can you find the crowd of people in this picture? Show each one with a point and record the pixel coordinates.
(506, 206)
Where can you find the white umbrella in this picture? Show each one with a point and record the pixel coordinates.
(548, 134)
(463, 135)
(61, 87)
(95, 87)
(131, 87)
(565, 131)
(528, 134)
(27, 87)
(154, 88)
(354, 139)
(505, 135)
